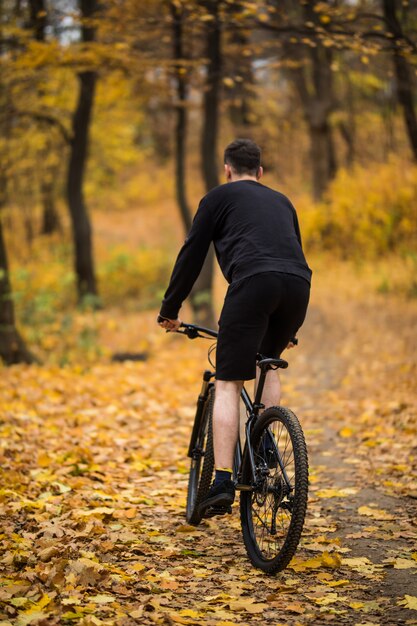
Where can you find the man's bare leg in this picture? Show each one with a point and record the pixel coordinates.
(271, 395)
(226, 421)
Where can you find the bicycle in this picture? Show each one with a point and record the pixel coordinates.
(271, 472)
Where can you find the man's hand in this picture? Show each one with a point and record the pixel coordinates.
(171, 325)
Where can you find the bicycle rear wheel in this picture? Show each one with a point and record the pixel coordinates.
(272, 515)
(202, 463)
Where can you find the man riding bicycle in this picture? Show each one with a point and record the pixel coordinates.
(258, 246)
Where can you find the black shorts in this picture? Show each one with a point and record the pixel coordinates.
(260, 314)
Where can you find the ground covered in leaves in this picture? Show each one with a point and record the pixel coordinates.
(94, 475)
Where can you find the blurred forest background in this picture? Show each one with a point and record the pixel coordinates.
(114, 116)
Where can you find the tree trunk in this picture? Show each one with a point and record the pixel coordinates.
(81, 226)
(348, 136)
(211, 97)
(181, 114)
(402, 73)
(241, 92)
(314, 84)
(50, 219)
(317, 106)
(347, 127)
(38, 18)
(321, 157)
(202, 299)
(12, 347)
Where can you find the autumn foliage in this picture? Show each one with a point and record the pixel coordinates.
(92, 449)
(94, 477)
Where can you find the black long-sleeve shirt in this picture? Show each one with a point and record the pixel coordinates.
(254, 229)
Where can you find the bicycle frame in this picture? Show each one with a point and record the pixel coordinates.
(252, 409)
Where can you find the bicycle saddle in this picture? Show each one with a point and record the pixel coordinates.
(272, 364)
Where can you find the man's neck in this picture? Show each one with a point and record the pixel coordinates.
(236, 179)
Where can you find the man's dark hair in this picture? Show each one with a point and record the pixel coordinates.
(244, 156)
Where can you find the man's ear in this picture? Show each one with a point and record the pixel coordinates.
(228, 172)
(260, 172)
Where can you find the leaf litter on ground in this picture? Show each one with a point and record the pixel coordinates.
(94, 478)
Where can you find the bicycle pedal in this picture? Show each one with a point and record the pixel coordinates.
(217, 510)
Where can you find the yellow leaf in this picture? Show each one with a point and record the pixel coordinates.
(356, 605)
(378, 514)
(336, 493)
(332, 560)
(186, 528)
(329, 598)
(100, 510)
(179, 619)
(260, 607)
(409, 602)
(295, 607)
(337, 583)
(362, 565)
(43, 459)
(229, 82)
(102, 599)
(346, 432)
(400, 563)
(247, 604)
(326, 559)
(71, 600)
(138, 567)
(26, 617)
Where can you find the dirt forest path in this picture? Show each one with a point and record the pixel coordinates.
(94, 478)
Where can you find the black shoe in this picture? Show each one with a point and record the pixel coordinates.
(219, 499)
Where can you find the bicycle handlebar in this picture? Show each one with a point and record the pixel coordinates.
(192, 331)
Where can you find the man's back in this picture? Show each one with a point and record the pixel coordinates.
(255, 230)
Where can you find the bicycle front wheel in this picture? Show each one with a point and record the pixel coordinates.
(202, 463)
(272, 515)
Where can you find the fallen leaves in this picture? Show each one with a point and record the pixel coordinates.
(336, 493)
(326, 559)
(363, 565)
(247, 604)
(94, 483)
(85, 572)
(400, 563)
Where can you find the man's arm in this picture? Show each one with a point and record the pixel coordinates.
(189, 261)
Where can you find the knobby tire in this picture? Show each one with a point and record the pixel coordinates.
(276, 552)
(201, 469)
